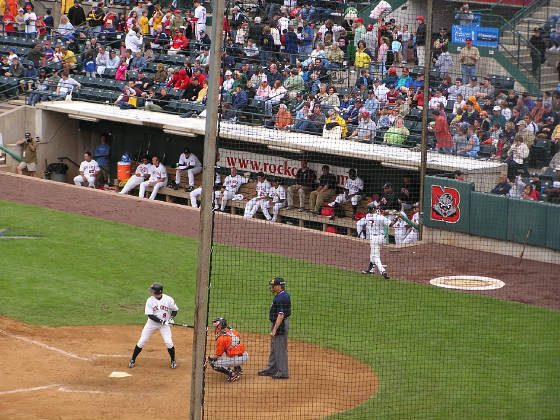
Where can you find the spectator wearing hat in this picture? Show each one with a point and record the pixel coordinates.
(352, 114)
(404, 82)
(537, 52)
(358, 29)
(366, 129)
(372, 103)
(437, 99)
(469, 58)
(548, 112)
(547, 128)
(30, 19)
(472, 89)
(391, 78)
(236, 21)
(370, 38)
(441, 41)
(497, 117)
(486, 90)
(95, 19)
(177, 22)
(420, 40)
(19, 22)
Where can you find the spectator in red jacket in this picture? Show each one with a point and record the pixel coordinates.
(179, 42)
(444, 142)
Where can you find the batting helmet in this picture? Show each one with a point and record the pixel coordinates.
(157, 288)
(219, 322)
(373, 206)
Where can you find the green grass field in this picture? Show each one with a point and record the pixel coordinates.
(439, 354)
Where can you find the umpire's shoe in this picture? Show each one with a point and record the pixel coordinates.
(265, 372)
(131, 364)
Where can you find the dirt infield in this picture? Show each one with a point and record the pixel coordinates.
(530, 282)
(63, 373)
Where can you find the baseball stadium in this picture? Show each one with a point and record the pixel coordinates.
(344, 210)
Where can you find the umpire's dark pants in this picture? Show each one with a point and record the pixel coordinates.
(278, 359)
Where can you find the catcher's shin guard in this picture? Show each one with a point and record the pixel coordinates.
(220, 369)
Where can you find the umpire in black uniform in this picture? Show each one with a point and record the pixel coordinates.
(280, 311)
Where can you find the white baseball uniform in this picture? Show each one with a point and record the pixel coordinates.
(138, 177)
(198, 191)
(400, 230)
(412, 235)
(376, 226)
(200, 14)
(184, 162)
(90, 170)
(253, 204)
(157, 173)
(278, 197)
(361, 225)
(161, 308)
(231, 186)
(353, 186)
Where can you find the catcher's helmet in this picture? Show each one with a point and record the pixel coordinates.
(219, 322)
(157, 288)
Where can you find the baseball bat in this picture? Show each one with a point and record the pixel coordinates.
(183, 325)
(525, 244)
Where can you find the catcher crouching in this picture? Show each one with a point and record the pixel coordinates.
(230, 353)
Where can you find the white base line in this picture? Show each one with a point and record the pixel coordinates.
(36, 388)
(38, 343)
(63, 389)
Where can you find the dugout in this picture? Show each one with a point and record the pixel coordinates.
(70, 128)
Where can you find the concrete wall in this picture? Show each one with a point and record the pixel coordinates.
(512, 249)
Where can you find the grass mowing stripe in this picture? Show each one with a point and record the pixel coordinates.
(439, 354)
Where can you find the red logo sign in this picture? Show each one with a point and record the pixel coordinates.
(445, 204)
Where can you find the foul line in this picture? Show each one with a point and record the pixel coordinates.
(63, 389)
(36, 388)
(46, 346)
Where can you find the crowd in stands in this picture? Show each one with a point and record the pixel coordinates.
(285, 63)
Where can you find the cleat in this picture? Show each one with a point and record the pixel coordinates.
(238, 370)
(131, 364)
(189, 189)
(385, 275)
(233, 377)
(173, 364)
(175, 186)
(368, 272)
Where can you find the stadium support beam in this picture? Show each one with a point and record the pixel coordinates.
(427, 67)
(205, 232)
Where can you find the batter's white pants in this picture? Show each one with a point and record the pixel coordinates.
(79, 181)
(150, 328)
(194, 195)
(400, 234)
(412, 236)
(343, 198)
(375, 251)
(132, 183)
(227, 195)
(199, 28)
(275, 209)
(190, 172)
(252, 207)
(156, 187)
(227, 362)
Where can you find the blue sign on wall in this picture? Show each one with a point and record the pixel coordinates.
(481, 37)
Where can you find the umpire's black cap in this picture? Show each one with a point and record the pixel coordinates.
(277, 281)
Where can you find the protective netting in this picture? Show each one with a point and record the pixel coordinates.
(319, 157)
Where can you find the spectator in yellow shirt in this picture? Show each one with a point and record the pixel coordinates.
(145, 23)
(68, 59)
(362, 59)
(334, 117)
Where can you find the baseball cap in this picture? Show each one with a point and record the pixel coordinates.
(496, 108)
(469, 39)
(392, 70)
(228, 73)
(522, 122)
(277, 281)
(260, 175)
(458, 172)
(358, 20)
(459, 79)
(557, 168)
(534, 175)
(28, 7)
(387, 185)
(376, 81)
(549, 119)
(369, 27)
(405, 70)
(474, 78)
(539, 99)
(365, 114)
(177, 11)
(370, 92)
(420, 18)
(547, 103)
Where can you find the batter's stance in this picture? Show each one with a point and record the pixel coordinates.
(280, 311)
(160, 309)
